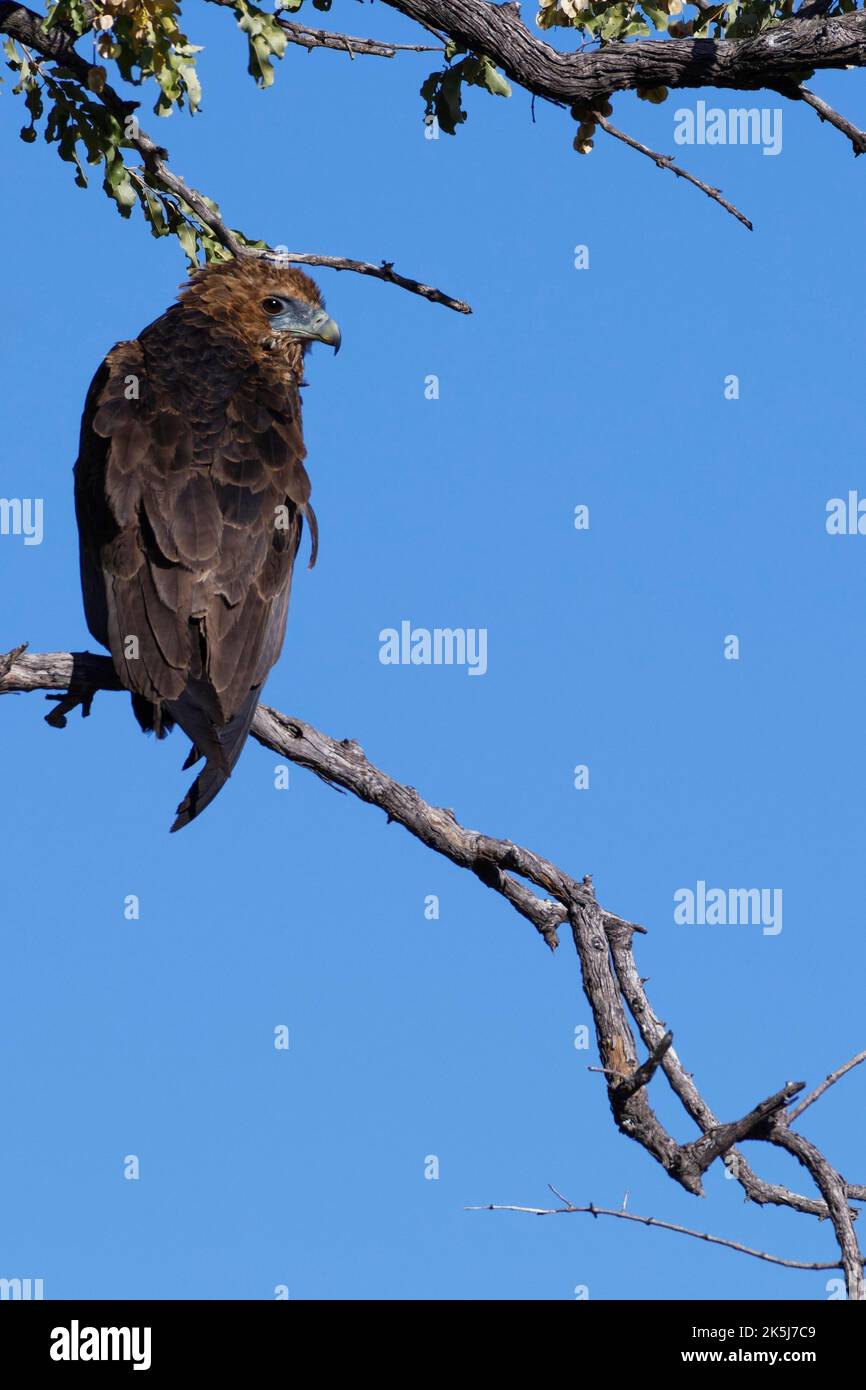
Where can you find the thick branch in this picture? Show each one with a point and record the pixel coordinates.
(630, 1107)
(828, 114)
(719, 1140)
(652, 1031)
(779, 54)
(647, 1070)
(833, 1190)
(603, 943)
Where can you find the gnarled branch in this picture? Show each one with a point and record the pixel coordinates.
(602, 939)
(777, 55)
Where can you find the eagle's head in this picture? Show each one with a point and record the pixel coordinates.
(275, 307)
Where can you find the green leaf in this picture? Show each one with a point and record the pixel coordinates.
(494, 81)
(266, 40)
(660, 20)
(187, 238)
(119, 186)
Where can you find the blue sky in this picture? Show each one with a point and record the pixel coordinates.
(302, 908)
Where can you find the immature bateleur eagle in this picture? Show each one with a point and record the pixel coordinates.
(190, 493)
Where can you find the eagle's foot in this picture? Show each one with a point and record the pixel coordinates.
(77, 694)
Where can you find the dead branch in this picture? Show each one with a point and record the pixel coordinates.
(833, 1189)
(719, 1140)
(593, 1210)
(825, 1086)
(666, 161)
(647, 1069)
(604, 944)
(827, 113)
(308, 38)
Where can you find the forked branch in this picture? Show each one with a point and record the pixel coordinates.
(604, 944)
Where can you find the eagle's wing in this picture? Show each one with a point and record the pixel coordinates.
(190, 494)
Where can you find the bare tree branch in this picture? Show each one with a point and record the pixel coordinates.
(645, 1072)
(825, 1086)
(385, 272)
(603, 941)
(309, 38)
(665, 161)
(593, 1210)
(826, 112)
(833, 1190)
(716, 1143)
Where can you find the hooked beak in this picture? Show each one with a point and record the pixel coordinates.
(327, 331)
(308, 322)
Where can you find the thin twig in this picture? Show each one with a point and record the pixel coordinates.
(556, 1192)
(385, 271)
(665, 161)
(828, 114)
(825, 1086)
(593, 1210)
(309, 38)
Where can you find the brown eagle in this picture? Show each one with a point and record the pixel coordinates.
(190, 494)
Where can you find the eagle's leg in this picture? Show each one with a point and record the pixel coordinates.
(152, 717)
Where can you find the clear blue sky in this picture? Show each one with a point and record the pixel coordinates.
(453, 1037)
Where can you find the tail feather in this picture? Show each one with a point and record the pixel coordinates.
(220, 744)
(192, 758)
(200, 795)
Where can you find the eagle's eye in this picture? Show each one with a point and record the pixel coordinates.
(272, 305)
